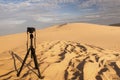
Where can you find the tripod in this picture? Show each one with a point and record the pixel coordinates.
(33, 55)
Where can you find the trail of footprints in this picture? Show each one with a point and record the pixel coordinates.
(82, 62)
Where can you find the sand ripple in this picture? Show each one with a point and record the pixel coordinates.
(63, 60)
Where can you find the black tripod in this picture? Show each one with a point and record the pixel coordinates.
(32, 49)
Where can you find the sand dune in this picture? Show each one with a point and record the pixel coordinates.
(64, 60)
(64, 52)
(107, 37)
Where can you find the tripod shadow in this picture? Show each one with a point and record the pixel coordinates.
(28, 65)
(7, 73)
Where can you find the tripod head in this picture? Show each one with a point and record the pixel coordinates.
(30, 29)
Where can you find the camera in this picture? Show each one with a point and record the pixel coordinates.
(30, 29)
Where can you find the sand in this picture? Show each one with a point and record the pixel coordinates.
(74, 51)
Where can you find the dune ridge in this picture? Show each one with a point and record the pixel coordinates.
(106, 37)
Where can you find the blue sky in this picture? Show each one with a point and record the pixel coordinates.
(16, 15)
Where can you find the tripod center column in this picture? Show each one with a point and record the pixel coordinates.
(31, 39)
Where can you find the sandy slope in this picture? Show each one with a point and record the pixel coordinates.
(65, 52)
(64, 60)
(103, 36)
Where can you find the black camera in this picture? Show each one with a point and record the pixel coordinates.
(30, 29)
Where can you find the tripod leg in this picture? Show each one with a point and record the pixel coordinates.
(35, 62)
(31, 52)
(23, 62)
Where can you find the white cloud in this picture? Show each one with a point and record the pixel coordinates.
(53, 1)
(104, 4)
(12, 22)
(92, 16)
(88, 3)
(44, 19)
(12, 7)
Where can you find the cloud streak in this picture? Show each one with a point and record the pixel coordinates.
(13, 22)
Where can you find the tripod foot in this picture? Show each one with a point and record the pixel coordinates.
(35, 67)
(18, 75)
(41, 77)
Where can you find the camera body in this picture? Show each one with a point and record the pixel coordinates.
(30, 29)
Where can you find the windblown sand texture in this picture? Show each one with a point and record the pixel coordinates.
(64, 52)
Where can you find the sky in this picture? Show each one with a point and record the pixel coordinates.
(16, 15)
